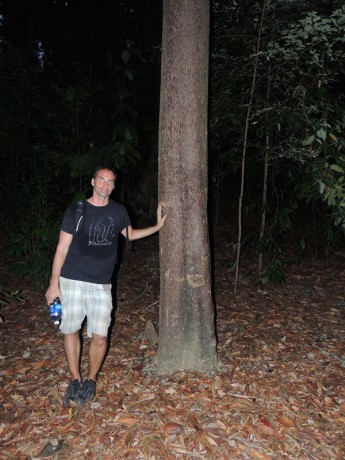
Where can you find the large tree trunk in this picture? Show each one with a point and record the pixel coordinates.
(186, 324)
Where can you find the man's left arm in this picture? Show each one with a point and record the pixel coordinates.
(137, 233)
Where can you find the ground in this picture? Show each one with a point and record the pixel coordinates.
(278, 392)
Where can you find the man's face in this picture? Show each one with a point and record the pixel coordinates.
(104, 183)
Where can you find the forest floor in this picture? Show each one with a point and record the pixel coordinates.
(279, 391)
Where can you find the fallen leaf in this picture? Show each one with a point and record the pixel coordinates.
(266, 427)
(128, 421)
(340, 420)
(286, 421)
(24, 369)
(306, 434)
(40, 364)
(17, 397)
(173, 428)
(220, 424)
(259, 455)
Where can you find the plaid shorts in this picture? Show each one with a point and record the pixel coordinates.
(80, 299)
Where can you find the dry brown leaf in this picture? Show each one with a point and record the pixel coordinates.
(210, 440)
(55, 392)
(340, 420)
(266, 427)
(328, 401)
(221, 424)
(286, 421)
(127, 421)
(306, 434)
(173, 428)
(150, 353)
(8, 454)
(40, 364)
(213, 389)
(259, 455)
(17, 397)
(22, 370)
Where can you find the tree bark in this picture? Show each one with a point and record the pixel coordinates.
(186, 324)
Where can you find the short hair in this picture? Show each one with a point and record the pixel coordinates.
(109, 168)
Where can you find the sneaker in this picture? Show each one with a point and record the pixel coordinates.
(73, 393)
(88, 391)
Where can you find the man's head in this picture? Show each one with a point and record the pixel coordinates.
(103, 181)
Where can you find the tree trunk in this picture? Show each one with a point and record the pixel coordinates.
(186, 324)
(244, 150)
(265, 179)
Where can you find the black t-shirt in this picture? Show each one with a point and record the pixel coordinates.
(92, 256)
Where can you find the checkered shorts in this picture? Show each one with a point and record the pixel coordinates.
(80, 299)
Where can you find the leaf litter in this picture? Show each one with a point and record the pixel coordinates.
(278, 392)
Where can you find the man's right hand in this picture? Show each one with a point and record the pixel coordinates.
(52, 293)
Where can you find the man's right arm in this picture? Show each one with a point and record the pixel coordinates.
(53, 291)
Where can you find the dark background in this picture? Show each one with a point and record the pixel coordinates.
(79, 86)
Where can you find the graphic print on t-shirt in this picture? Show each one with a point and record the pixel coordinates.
(101, 231)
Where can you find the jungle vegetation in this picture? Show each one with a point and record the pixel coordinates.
(79, 86)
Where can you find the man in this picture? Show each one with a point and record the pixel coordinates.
(82, 268)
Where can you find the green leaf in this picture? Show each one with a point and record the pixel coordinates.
(337, 168)
(302, 244)
(321, 133)
(308, 140)
(125, 56)
(128, 135)
(129, 74)
(70, 94)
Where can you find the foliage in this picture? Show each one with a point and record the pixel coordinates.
(332, 190)
(32, 230)
(10, 296)
(69, 93)
(79, 85)
(297, 110)
(273, 273)
(32, 249)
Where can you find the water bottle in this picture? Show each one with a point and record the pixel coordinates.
(56, 310)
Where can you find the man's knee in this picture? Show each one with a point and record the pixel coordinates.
(99, 340)
(72, 335)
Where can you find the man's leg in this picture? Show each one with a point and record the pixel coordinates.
(98, 349)
(97, 352)
(72, 350)
(98, 311)
(73, 314)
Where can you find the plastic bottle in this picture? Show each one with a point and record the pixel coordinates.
(56, 310)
